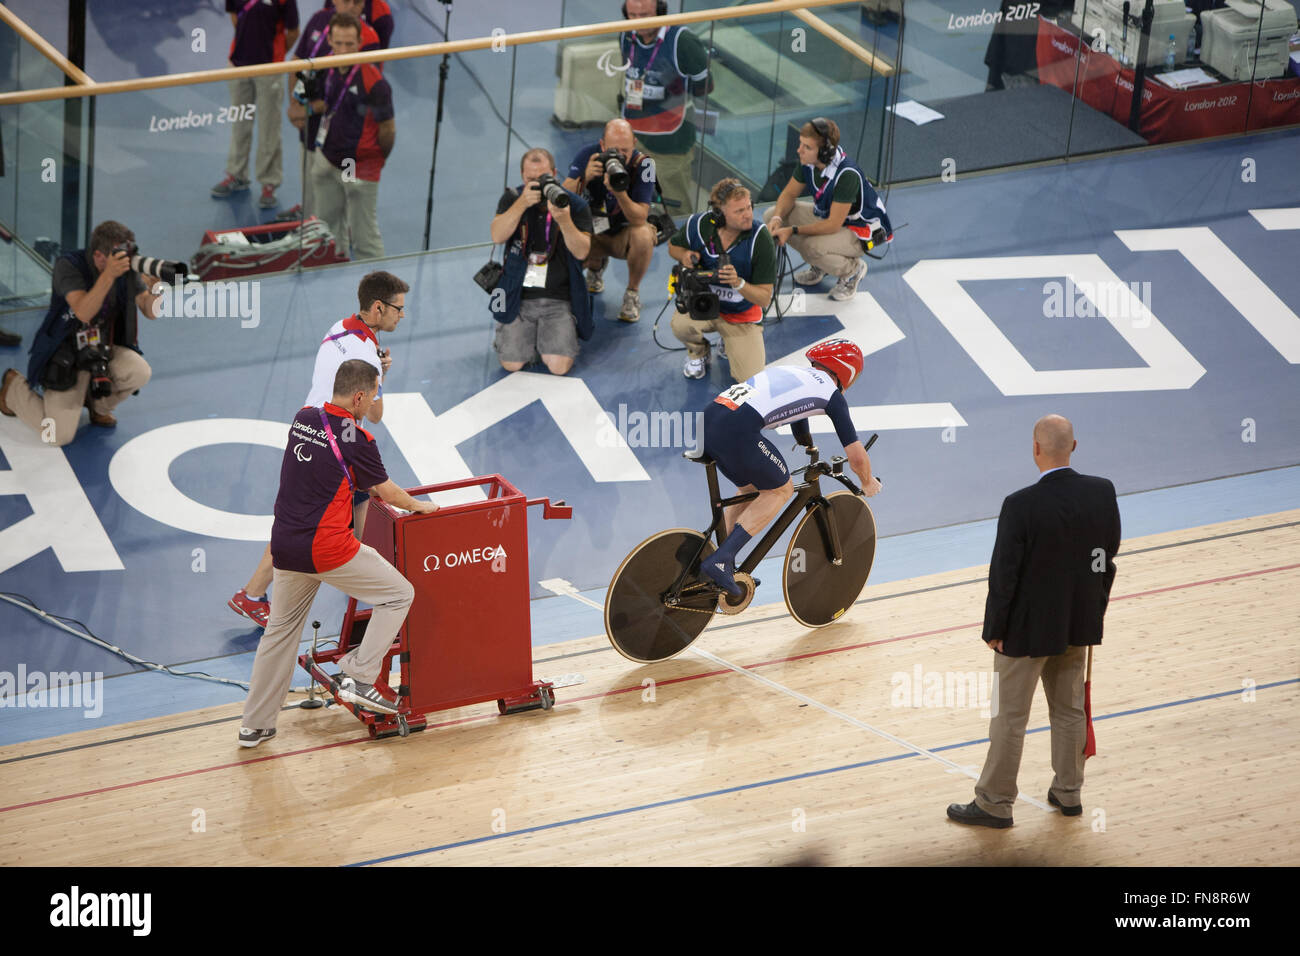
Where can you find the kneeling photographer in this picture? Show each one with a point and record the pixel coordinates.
(85, 352)
(619, 183)
(724, 282)
(539, 298)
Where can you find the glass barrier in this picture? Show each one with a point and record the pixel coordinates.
(976, 87)
(34, 173)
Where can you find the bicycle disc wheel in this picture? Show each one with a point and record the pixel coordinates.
(637, 621)
(817, 591)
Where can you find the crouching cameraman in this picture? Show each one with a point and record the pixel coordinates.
(85, 352)
(724, 282)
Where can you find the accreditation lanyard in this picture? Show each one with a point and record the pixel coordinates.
(343, 92)
(319, 40)
(329, 433)
(546, 236)
(663, 32)
(831, 170)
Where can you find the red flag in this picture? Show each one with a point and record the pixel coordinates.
(1090, 746)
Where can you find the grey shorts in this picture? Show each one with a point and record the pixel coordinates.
(543, 327)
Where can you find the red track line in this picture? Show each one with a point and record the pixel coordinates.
(621, 690)
(186, 773)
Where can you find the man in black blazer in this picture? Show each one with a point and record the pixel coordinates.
(1049, 581)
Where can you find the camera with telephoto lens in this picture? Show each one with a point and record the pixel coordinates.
(164, 269)
(552, 191)
(619, 178)
(94, 359)
(309, 87)
(693, 293)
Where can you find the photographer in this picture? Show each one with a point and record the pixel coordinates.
(263, 31)
(307, 86)
(666, 67)
(89, 333)
(831, 232)
(356, 135)
(740, 264)
(547, 233)
(619, 184)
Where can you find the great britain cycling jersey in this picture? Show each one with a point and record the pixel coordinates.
(784, 395)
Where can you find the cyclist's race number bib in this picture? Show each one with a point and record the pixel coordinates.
(735, 396)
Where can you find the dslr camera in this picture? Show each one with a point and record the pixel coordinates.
(693, 293)
(552, 191)
(93, 358)
(164, 269)
(619, 178)
(309, 87)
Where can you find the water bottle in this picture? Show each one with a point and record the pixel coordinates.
(1171, 53)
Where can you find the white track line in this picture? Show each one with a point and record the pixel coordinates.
(863, 725)
(559, 586)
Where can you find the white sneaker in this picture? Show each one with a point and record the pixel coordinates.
(810, 276)
(595, 281)
(696, 367)
(847, 287)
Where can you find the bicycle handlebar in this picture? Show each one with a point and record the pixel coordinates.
(835, 467)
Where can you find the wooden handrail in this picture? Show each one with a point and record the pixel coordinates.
(91, 88)
(879, 64)
(35, 39)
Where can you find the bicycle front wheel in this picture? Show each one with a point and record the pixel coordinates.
(818, 591)
(637, 621)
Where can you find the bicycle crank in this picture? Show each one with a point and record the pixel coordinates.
(731, 604)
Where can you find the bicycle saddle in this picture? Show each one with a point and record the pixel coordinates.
(697, 455)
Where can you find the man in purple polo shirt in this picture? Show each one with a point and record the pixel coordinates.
(264, 29)
(357, 132)
(314, 43)
(328, 456)
(374, 13)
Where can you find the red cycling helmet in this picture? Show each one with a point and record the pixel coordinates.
(840, 357)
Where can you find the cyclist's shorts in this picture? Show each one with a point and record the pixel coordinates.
(734, 439)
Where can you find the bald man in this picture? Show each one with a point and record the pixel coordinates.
(620, 211)
(1049, 582)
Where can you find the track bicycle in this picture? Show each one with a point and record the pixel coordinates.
(658, 602)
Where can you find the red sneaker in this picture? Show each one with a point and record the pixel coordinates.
(256, 611)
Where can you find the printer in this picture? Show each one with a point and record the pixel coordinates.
(1230, 36)
(1120, 36)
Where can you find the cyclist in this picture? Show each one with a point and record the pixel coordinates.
(733, 424)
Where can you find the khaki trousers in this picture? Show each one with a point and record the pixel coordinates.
(267, 93)
(1017, 678)
(367, 577)
(676, 175)
(347, 208)
(837, 254)
(742, 340)
(56, 414)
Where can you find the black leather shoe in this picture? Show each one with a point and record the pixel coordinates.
(1073, 811)
(971, 813)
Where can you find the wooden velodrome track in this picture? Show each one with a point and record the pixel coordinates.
(773, 744)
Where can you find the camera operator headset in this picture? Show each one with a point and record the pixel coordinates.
(736, 258)
(86, 350)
